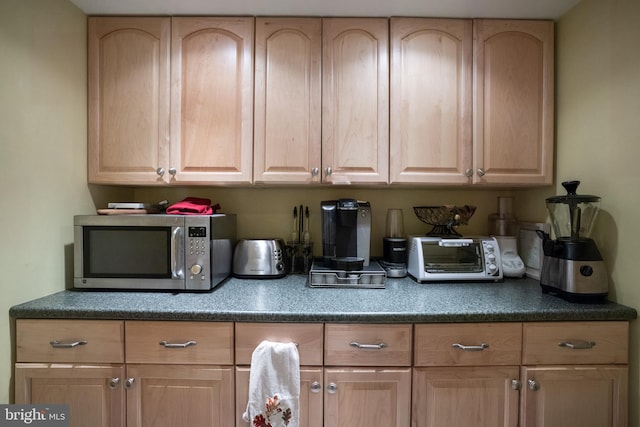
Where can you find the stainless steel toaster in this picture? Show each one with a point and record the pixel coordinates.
(259, 259)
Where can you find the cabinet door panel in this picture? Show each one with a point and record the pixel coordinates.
(355, 85)
(310, 395)
(430, 100)
(288, 96)
(465, 397)
(128, 98)
(513, 135)
(367, 397)
(180, 395)
(589, 396)
(85, 388)
(212, 99)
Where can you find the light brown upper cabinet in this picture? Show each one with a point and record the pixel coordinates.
(355, 100)
(128, 98)
(431, 97)
(211, 100)
(288, 100)
(472, 101)
(191, 75)
(513, 109)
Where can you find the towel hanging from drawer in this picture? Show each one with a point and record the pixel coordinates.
(274, 385)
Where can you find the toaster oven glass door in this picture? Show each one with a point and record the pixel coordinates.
(127, 252)
(452, 259)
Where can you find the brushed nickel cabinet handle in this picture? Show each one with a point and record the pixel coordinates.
(129, 383)
(578, 344)
(533, 385)
(113, 383)
(60, 344)
(332, 388)
(378, 346)
(167, 344)
(160, 171)
(481, 172)
(480, 347)
(315, 387)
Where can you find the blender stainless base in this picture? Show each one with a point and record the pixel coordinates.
(575, 280)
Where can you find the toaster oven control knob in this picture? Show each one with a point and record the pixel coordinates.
(491, 258)
(493, 268)
(196, 269)
(279, 266)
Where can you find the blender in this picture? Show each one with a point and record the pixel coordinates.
(572, 267)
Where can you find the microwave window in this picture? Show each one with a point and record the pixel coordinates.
(457, 259)
(127, 252)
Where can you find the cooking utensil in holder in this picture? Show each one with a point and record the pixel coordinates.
(299, 257)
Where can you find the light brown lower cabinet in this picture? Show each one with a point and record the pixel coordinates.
(465, 396)
(363, 397)
(588, 396)
(93, 392)
(134, 373)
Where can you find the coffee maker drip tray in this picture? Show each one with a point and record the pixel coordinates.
(371, 276)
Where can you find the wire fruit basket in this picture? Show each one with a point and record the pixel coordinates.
(444, 218)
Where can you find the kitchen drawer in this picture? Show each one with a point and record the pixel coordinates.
(468, 344)
(91, 341)
(178, 342)
(308, 337)
(594, 342)
(367, 345)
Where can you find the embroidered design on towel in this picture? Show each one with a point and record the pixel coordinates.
(272, 409)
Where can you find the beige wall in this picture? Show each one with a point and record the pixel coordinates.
(43, 126)
(598, 137)
(42, 152)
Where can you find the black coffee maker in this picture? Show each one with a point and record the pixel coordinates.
(346, 230)
(572, 267)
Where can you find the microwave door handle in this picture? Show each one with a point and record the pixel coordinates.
(177, 253)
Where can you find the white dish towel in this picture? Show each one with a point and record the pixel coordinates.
(274, 385)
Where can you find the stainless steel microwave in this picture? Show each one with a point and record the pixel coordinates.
(433, 259)
(153, 252)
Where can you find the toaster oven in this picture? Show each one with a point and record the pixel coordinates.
(432, 259)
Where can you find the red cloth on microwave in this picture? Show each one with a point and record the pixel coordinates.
(193, 206)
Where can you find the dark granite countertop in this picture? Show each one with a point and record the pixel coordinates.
(291, 300)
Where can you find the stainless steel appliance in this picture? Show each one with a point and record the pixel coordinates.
(394, 245)
(153, 252)
(259, 259)
(572, 267)
(434, 259)
(346, 229)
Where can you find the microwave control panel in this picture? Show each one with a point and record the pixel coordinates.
(197, 254)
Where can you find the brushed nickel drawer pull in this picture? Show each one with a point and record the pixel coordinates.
(166, 344)
(379, 346)
(58, 344)
(480, 347)
(578, 344)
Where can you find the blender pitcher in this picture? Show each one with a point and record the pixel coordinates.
(573, 267)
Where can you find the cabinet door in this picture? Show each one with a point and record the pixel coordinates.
(128, 97)
(431, 92)
(211, 100)
(310, 396)
(94, 393)
(355, 102)
(288, 100)
(513, 111)
(367, 397)
(465, 397)
(580, 396)
(180, 395)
